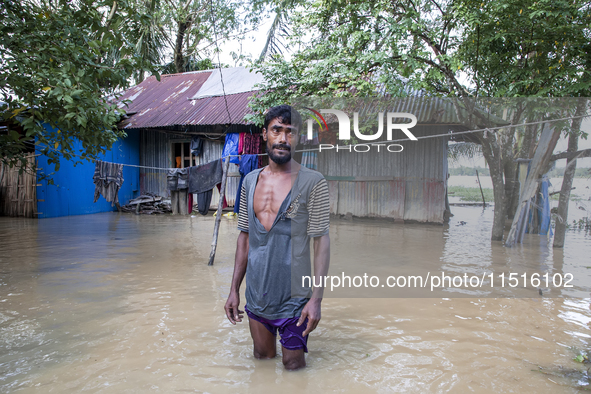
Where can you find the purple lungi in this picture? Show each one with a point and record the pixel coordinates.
(291, 334)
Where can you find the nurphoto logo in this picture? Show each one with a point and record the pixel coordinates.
(345, 130)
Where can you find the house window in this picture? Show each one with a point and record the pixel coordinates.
(181, 155)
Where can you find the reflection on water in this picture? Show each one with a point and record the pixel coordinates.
(125, 303)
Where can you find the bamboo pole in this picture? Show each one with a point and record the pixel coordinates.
(218, 216)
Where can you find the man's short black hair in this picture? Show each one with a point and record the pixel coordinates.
(287, 115)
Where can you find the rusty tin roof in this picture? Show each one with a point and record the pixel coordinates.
(166, 103)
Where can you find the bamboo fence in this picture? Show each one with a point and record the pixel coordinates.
(18, 191)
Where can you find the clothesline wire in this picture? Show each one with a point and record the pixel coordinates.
(212, 17)
(491, 129)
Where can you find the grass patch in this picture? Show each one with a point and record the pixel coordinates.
(573, 197)
(471, 193)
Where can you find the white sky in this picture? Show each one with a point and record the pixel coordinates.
(252, 45)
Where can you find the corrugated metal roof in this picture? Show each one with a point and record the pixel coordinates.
(166, 103)
(235, 80)
(212, 110)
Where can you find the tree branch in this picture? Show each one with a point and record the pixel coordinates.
(571, 155)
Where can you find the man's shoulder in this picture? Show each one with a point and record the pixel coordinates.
(251, 177)
(310, 177)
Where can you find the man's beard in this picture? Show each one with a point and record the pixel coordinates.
(276, 158)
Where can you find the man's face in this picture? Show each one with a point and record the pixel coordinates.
(280, 138)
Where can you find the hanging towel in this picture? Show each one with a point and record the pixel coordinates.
(231, 147)
(107, 178)
(248, 163)
(196, 146)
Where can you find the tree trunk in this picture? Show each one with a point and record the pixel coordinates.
(492, 154)
(179, 59)
(500, 208)
(511, 184)
(569, 174)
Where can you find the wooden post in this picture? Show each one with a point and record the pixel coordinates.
(218, 216)
(174, 201)
(481, 193)
(183, 202)
(546, 145)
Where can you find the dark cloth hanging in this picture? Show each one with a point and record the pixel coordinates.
(248, 163)
(253, 145)
(202, 180)
(224, 202)
(241, 143)
(204, 201)
(107, 178)
(196, 146)
(177, 179)
(204, 177)
(190, 198)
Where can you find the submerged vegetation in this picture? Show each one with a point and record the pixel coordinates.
(554, 173)
(471, 193)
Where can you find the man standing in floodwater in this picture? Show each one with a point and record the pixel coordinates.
(282, 207)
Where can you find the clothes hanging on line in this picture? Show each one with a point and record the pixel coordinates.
(107, 178)
(241, 143)
(252, 144)
(231, 147)
(310, 160)
(248, 163)
(202, 179)
(190, 198)
(204, 201)
(177, 179)
(196, 145)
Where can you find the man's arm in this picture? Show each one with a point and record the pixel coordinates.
(321, 263)
(241, 260)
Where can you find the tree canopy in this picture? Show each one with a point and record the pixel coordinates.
(462, 49)
(62, 63)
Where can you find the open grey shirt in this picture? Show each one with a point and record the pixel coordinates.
(278, 258)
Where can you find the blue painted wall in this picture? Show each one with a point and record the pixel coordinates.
(73, 190)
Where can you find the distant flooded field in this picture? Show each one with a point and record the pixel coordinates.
(579, 207)
(113, 303)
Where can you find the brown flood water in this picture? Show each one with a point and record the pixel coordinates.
(115, 303)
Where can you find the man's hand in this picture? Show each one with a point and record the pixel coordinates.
(234, 314)
(312, 312)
